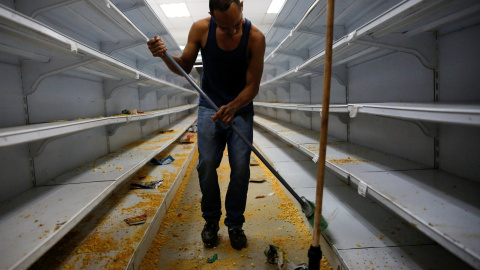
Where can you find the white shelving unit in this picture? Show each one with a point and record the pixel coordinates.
(31, 133)
(69, 69)
(35, 220)
(361, 233)
(423, 196)
(406, 106)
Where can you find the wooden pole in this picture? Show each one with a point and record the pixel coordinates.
(324, 126)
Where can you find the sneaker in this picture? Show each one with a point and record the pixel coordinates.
(209, 233)
(238, 240)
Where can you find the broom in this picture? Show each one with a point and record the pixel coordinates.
(315, 253)
(308, 207)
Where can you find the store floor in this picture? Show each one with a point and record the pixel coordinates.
(269, 220)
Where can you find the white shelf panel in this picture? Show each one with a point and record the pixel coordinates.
(444, 207)
(357, 225)
(285, 106)
(386, 175)
(143, 16)
(336, 108)
(312, 24)
(16, 135)
(451, 113)
(55, 53)
(405, 17)
(34, 221)
(454, 113)
(122, 204)
(288, 17)
(89, 21)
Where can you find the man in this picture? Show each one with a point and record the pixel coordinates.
(232, 54)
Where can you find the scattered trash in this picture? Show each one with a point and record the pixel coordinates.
(274, 255)
(277, 256)
(132, 112)
(212, 258)
(164, 161)
(263, 196)
(253, 161)
(187, 139)
(165, 131)
(146, 185)
(258, 180)
(193, 128)
(136, 220)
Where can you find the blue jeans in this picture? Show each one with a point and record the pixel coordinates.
(212, 138)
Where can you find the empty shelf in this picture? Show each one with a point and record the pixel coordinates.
(30, 133)
(451, 113)
(361, 234)
(34, 221)
(334, 108)
(97, 23)
(53, 53)
(369, 39)
(443, 206)
(127, 244)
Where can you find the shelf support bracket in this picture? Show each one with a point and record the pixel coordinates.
(338, 72)
(144, 90)
(33, 73)
(428, 128)
(110, 86)
(36, 148)
(419, 46)
(343, 117)
(303, 81)
(112, 129)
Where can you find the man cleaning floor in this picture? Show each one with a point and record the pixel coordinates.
(232, 54)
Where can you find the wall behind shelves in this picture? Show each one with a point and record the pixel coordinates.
(11, 102)
(459, 151)
(459, 81)
(67, 153)
(15, 176)
(392, 78)
(459, 65)
(62, 97)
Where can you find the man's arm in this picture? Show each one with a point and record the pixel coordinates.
(254, 75)
(187, 59)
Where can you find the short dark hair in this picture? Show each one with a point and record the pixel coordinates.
(221, 5)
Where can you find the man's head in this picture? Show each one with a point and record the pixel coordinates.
(227, 14)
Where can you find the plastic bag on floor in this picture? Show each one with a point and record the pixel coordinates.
(164, 161)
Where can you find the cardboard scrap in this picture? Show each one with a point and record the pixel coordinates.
(258, 180)
(136, 220)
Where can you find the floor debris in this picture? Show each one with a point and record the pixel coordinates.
(271, 220)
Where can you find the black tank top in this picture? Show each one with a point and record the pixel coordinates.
(224, 72)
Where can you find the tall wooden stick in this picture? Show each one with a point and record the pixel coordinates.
(323, 132)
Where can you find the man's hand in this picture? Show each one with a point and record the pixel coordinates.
(157, 47)
(225, 114)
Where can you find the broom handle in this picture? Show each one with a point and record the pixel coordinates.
(215, 107)
(324, 127)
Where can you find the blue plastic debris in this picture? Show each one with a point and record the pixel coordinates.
(164, 161)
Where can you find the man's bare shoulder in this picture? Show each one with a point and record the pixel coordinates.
(256, 36)
(201, 25)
